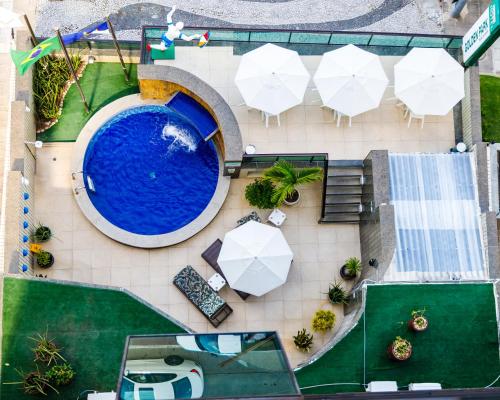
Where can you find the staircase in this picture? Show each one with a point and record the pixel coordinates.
(343, 190)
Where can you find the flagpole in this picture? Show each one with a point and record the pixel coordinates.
(28, 24)
(117, 46)
(72, 70)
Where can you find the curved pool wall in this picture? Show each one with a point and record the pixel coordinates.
(170, 161)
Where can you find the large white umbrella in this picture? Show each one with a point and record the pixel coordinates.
(255, 258)
(429, 81)
(9, 19)
(272, 79)
(350, 80)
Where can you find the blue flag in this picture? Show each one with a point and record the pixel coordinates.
(100, 27)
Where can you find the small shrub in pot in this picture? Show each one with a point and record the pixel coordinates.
(41, 234)
(337, 294)
(46, 351)
(303, 340)
(44, 259)
(323, 321)
(400, 349)
(35, 383)
(259, 194)
(351, 268)
(60, 375)
(418, 322)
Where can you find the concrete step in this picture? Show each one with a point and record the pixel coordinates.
(341, 180)
(342, 208)
(344, 190)
(351, 218)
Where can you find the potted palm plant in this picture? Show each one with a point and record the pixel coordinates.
(418, 322)
(286, 178)
(400, 349)
(351, 268)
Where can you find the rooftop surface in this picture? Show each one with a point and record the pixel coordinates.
(458, 350)
(90, 325)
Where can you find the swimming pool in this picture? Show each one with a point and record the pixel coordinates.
(149, 172)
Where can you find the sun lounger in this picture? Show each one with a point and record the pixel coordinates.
(203, 297)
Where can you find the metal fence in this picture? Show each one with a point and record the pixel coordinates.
(308, 42)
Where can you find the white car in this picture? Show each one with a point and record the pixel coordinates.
(161, 379)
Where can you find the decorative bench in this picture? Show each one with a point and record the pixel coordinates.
(203, 297)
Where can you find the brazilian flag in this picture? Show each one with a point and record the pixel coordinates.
(23, 60)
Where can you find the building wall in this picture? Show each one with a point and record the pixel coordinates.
(20, 192)
(377, 228)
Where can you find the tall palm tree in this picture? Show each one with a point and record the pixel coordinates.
(287, 178)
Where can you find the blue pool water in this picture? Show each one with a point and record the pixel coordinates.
(152, 171)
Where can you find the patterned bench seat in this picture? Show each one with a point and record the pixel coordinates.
(203, 297)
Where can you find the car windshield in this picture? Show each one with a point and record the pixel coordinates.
(182, 388)
(127, 390)
(151, 378)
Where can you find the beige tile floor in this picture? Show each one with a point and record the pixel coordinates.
(310, 128)
(84, 254)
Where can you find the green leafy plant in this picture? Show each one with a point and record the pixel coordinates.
(303, 340)
(286, 178)
(353, 266)
(42, 233)
(337, 294)
(35, 383)
(323, 321)
(259, 194)
(418, 321)
(51, 75)
(46, 350)
(44, 258)
(401, 348)
(60, 375)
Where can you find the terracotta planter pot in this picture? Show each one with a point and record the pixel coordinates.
(397, 357)
(414, 326)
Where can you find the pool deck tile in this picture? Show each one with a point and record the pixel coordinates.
(83, 253)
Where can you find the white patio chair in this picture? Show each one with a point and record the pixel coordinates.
(266, 116)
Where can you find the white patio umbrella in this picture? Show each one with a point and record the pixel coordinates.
(429, 81)
(9, 19)
(272, 79)
(255, 258)
(350, 80)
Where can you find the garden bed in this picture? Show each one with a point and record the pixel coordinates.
(459, 349)
(90, 325)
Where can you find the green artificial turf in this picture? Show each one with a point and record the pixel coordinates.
(101, 83)
(490, 108)
(89, 324)
(458, 350)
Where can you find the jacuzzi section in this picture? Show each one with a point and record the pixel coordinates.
(437, 217)
(151, 171)
(146, 177)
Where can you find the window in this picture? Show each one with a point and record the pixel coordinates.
(182, 388)
(151, 378)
